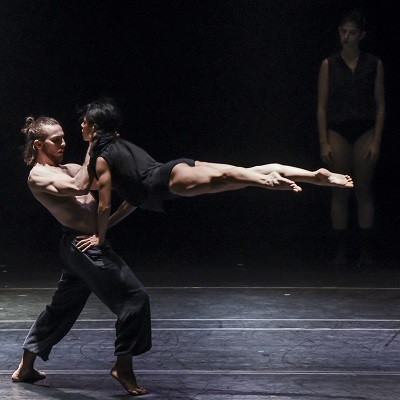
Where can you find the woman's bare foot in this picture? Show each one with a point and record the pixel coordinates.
(128, 380)
(328, 178)
(276, 181)
(23, 374)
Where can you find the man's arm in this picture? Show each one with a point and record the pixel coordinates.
(65, 180)
(122, 212)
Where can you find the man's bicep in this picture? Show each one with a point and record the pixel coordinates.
(53, 183)
(43, 182)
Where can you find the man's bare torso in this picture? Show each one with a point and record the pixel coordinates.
(75, 212)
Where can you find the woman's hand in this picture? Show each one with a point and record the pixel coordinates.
(86, 242)
(373, 152)
(326, 153)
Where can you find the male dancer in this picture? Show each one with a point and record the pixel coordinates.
(64, 190)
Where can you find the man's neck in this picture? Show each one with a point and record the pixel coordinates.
(45, 161)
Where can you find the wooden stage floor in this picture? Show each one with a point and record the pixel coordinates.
(272, 327)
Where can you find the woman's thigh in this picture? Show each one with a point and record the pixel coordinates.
(342, 153)
(363, 167)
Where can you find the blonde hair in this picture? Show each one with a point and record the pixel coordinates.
(34, 130)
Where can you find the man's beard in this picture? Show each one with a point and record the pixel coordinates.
(56, 158)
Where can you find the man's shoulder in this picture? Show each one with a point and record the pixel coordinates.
(45, 168)
(40, 173)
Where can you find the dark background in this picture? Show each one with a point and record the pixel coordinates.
(225, 81)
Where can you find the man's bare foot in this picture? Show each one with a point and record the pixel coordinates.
(328, 178)
(27, 375)
(276, 181)
(128, 380)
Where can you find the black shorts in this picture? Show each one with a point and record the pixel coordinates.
(352, 130)
(158, 185)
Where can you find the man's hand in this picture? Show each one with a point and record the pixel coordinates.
(86, 242)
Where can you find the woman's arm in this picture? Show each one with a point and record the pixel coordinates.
(123, 211)
(104, 220)
(104, 208)
(374, 149)
(323, 89)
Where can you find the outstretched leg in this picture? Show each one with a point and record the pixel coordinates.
(122, 371)
(206, 178)
(322, 176)
(25, 371)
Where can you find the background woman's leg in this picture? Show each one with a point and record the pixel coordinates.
(342, 163)
(364, 175)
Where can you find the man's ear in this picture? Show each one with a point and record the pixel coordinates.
(363, 34)
(37, 144)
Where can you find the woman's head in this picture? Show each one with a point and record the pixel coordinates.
(356, 18)
(104, 114)
(352, 29)
(35, 129)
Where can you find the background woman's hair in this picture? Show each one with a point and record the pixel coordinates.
(356, 17)
(34, 130)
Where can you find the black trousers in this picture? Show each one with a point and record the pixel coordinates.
(101, 271)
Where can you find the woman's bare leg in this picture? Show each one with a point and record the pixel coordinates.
(216, 166)
(364, 174)
(322, 176)
(203, 179)
(342, 163)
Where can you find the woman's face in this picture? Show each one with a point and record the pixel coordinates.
(87, 130)
(350, 35)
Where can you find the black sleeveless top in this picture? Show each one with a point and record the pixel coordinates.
(136, 176)
(351, 94)
(131, 168)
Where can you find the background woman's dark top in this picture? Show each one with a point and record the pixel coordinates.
(351, 93)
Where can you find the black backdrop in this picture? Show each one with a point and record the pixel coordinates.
(231, 81)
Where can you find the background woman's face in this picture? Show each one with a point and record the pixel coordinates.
(350, 35)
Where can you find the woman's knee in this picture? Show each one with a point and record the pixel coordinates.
(340, 195)
(364, 193)
(276, 167)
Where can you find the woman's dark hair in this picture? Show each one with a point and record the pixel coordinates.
(34, 130)
(105, 113)
(357, 18)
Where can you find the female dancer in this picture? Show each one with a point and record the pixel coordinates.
(351, 110)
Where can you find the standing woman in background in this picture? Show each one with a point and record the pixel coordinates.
(351, 112)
